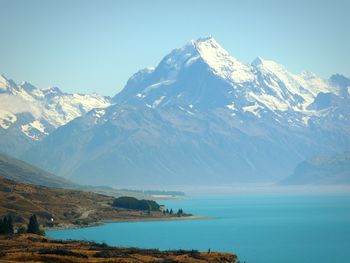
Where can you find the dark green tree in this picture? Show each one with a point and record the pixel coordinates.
(33, 226)
(180, 212)
(2, 227)
(9, 225)
(171, 211)
(6, 225)
(135, 204)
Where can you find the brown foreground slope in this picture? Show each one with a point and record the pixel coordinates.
(68, 208)
(33, 248)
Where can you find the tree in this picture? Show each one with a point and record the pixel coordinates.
(9, 225)
(180, 212)
(33, 226)
(2, 227)
(135, 204)
(6, 225)
(171, 211)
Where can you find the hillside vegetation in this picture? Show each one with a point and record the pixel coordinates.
(67, 207)
(34, 248)
(135, 204)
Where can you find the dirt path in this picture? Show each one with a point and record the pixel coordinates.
(86, 214)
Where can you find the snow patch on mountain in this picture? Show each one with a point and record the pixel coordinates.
(99, 113)
(157, 102)
(231, 106)
(34, 130)
(157, 85)
(7, 119)
(254, 109)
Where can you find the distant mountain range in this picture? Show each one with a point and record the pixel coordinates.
(200, 117)
(29, 114)
(323, 170)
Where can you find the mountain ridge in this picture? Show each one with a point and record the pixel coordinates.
(195, 118)
(29, 114)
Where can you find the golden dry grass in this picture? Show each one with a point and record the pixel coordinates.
(33, 248)
(67, 207)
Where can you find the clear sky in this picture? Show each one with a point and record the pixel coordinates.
(86, 46)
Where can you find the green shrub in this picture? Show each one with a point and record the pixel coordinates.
(135, 204)
(21, 229)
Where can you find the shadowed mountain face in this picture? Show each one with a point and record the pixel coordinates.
(20, 171)
(322, 170)
(202, 117)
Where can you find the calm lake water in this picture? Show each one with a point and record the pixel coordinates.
(258, 228)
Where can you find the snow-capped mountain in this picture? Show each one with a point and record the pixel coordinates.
(28, 114)
(263, 83)
(202, 116)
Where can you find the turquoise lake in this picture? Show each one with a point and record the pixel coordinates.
(274, 228)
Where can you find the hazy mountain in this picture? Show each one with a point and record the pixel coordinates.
(333, 169)
(20, 171)
(201, 116)
(29, 114)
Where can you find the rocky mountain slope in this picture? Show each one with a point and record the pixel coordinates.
(28, 114)
(203, 117)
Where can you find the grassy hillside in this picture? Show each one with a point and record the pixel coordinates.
(32, 248)
(67, 207)
(20, 171)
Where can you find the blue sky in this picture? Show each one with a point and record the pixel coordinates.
(87, 46)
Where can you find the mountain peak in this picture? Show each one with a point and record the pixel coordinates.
(204, 44)
(206, 38)
(27, 86)
(221, 62)
(258, 61)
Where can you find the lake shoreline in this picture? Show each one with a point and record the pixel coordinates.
(126, 220)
